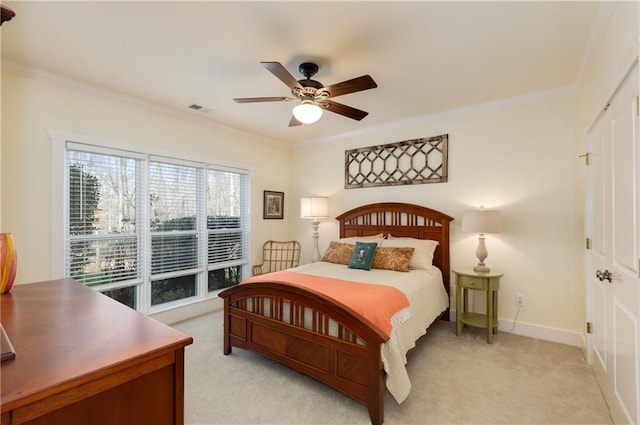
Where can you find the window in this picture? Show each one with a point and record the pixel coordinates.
(153, 232)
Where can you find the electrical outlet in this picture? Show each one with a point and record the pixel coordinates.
(520, 300)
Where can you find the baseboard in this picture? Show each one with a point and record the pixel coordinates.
(189, 311)
(545, 333)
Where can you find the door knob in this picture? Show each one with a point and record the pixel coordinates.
(604, 275)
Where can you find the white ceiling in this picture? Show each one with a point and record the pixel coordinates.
(426, 57)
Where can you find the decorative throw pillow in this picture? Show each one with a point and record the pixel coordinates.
(422, 257)
(363, 255)
(339, 253)
(392, 258)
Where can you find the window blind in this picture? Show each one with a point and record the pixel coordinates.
(173, 194)
(227, 217)
(152, 230)
(102, 238)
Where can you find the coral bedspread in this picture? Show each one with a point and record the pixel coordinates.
(427, 300)
(378, 303)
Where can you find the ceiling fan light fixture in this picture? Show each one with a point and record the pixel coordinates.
(307, 112)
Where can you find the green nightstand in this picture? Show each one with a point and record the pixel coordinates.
(488, 282)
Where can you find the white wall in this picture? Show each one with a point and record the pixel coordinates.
(520, 158)
(31, 106)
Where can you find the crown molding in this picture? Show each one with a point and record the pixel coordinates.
(53, 78)
(466, 110)
(67, 82)
(596, 33)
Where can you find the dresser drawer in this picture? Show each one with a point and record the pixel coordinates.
(472, 282)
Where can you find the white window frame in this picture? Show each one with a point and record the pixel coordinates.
(60, 212)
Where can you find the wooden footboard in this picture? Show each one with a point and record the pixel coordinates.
(310, 333)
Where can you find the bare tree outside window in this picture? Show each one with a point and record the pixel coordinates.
(107, 224)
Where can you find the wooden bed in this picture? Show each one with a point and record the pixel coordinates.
(350, 363)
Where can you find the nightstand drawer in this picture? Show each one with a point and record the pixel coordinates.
(472, 282)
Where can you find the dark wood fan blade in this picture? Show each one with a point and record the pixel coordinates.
(7, 14)
(351, 86)
(281, 72)
(263, 99)
(345, 110)
(294, 122)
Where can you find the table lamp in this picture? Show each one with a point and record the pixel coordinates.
(481, 221)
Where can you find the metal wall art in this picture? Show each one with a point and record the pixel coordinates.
(415, 161)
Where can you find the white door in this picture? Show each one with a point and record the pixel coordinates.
(614, 256)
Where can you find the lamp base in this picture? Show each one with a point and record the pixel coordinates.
(481, 253)
(481, 269)
(315, 256)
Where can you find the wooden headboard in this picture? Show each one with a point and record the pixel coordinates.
(405, 220)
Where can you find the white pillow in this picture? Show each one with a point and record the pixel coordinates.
(373, 238)
(422, 257)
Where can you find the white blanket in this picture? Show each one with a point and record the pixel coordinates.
(427, 299)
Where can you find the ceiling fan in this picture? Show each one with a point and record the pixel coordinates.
(314, 96)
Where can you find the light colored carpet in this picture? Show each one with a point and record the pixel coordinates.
(455, 380)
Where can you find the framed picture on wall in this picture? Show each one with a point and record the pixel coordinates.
(273, 206)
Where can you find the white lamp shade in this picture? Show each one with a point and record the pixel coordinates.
(307, 112)
(481, 221)
(315, 207)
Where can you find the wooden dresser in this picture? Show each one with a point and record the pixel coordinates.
(83, 358)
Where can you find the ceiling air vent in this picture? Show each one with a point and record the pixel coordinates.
(199, 108)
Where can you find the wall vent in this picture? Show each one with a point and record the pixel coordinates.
(199, 108)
